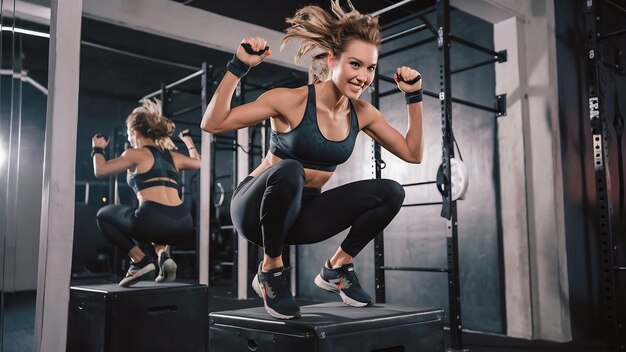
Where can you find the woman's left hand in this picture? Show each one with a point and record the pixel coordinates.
(406, 74)
(185, 137)
(99, 141)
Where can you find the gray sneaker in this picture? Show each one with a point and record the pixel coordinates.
(273, 287)
(136, 271)
(344, 282)
(167, 269)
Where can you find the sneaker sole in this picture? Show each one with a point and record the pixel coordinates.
(169, 268)
(261, 292)
(129, 281)
(325, 285)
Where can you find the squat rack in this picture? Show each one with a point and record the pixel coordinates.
(449, 208)
(610, 262)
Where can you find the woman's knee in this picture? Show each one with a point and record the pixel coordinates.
(289, 173)
(105, 213)
(393, 193)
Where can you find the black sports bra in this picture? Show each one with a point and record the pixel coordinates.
(306, 144)
(161, 171)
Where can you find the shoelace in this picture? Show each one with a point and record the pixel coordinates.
(281, 282)
(351, 277)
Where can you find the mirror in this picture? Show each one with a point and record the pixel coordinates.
(23, 99)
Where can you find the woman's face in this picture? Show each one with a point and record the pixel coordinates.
(132, 138)
(354, 71)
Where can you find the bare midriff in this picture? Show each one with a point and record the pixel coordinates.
(160, 194)
(314, 178)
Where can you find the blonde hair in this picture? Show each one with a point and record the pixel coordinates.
(148, 120)
(319, 29)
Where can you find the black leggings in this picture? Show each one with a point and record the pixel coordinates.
(150, 223)
(274, 209)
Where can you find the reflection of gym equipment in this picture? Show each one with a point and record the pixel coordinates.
(452, 178)
(224, 150)
(145, 317)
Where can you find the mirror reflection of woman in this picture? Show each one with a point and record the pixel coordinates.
(153, 173)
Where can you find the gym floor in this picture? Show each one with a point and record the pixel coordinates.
(20, 314)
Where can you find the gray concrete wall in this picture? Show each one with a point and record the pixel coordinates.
(532, 203)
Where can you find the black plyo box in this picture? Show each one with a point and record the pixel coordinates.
(145, 317)
(329, 327)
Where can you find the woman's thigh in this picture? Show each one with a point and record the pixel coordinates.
(335, 210)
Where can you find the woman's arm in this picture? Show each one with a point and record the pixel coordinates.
(409, 147)
(103, 167)
(183, 162)
(219, 117)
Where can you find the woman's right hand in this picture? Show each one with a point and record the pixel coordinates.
(186, 138)
(257, 44)
(99, 141)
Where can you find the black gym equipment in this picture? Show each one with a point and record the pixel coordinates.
(329, 327)
(614, 321)
(441, 33)
(145, 317)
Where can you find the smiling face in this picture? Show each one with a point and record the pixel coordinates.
(354, 71)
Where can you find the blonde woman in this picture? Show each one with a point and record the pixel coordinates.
(152, 172)
(314, 129)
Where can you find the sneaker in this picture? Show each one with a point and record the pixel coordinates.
(273, 287)
(167, 269)
(137, 271)
(343, 281)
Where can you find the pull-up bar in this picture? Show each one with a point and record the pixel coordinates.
(171, 85)
(389, 8)
(615, 7)
(500, 99)
(408, 18)
(404, 33)
(475, 46)
(612, 34)
(23, 76)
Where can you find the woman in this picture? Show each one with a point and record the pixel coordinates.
(152, 171)
(313, 130)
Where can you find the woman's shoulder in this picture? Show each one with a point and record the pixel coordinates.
(365, 112)
(137, 154)
(285, 94)
(363, 107)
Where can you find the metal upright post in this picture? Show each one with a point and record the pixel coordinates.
(164, 96)
(207, 177)
(379, 243)
(602, 177)
(240, 171)
(445, 96)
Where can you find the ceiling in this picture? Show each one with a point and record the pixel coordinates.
(272, 13)
(141, 76)
(124, 64)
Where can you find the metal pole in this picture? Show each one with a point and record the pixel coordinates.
(445, 96)
(379, 243)
(389, 8)
(139, 56)
(206, 178)
(240, 171)
(404, 33)
(172, 85)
